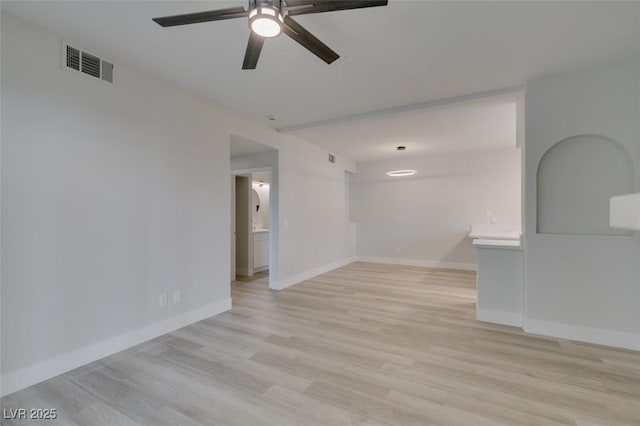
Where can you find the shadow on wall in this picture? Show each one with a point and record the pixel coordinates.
(462, 250)
(576, 178)
(456, 245)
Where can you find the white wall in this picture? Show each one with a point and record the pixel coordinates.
(500, 285)
(425, 219)
(584, 287)
(313, 210)
(109, 200)
(311, 222)
(115, 194)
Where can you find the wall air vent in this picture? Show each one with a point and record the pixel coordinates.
(78, 60)
(73, 58)
(90, 65)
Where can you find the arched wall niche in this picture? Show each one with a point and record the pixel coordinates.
(576, 178)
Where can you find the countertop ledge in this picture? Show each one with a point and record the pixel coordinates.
(498, 244)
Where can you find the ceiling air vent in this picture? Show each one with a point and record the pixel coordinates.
(86, 63)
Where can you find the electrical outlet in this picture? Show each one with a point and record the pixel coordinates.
(162, 300)
(176, 296)
(494, 219)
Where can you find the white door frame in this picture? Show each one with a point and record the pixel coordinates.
(233, 228)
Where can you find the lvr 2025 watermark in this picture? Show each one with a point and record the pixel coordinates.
(30, 414)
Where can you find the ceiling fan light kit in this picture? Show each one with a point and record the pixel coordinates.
(400, 173)
(266, 20)
(270, 18)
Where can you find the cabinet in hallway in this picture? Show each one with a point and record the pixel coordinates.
(260, 250)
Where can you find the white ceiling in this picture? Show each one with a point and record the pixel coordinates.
(406, 53)
(242, 146)
(465, 126)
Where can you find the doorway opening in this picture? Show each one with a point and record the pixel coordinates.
(254, 224)
(252, 228)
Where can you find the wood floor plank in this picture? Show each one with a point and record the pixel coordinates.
(366, 344)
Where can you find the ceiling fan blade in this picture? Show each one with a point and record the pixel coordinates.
(305, 7)
(251, 55)
(308, 40)
(195, 18)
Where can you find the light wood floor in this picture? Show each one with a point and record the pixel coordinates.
(365, 344)
(256, 276)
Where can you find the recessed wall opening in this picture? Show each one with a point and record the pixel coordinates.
(576, 178)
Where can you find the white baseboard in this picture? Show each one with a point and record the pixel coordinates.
(420, 262)
(619, 339)
(499, 317)
(28, 376)
(288, 282)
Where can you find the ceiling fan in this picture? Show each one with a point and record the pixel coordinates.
(270, 18)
